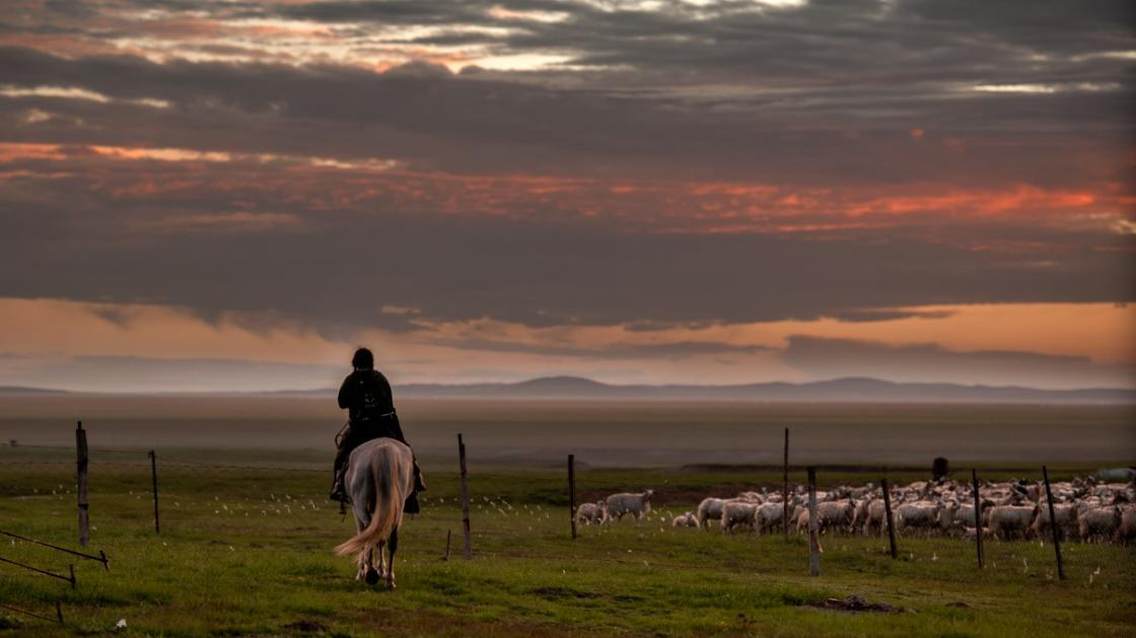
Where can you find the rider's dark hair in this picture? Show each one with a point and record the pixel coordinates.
(363, 359)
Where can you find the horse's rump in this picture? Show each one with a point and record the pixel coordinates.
(379, 478)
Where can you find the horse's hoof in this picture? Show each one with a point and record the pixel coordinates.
(391, 586)
(372, 577)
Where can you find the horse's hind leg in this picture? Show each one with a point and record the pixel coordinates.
(370, 574)
(393, 546)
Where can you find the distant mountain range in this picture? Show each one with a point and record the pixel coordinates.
(860, 390)
(837, 390)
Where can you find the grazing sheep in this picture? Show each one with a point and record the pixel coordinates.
(1010, 521)
(801, 516)
(738, 513)
(592, 513)
(947, 514)
(874, 518)
(965, 514)
(626, 503)
(1066, 515)
(769, 516)
(710, 509)
(922, 515)
(970, 534)
(1099, 523)
(835, 515)
(860, 512)
(1127, 530)
(686, 519)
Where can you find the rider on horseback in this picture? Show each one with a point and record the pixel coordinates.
(366, 395)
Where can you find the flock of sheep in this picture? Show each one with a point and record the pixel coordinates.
(1084, 509)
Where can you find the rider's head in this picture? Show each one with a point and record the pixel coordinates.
(363, 360)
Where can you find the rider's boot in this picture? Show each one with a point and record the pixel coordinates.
(411, 505)
(419, 484)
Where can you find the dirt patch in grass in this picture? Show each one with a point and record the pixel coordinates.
(306, 626)
(855, 604)
(555, 593)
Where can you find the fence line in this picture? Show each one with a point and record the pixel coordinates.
(70, 579)
(58, 612)
(102, 557)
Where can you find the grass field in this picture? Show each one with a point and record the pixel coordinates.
(248, 552)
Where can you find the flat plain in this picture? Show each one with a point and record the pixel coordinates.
(246, 535)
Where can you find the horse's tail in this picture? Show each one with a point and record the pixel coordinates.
(387, 510)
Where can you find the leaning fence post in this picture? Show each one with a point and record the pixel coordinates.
(446, 556)
(887, 512)
(154, 481)
(81, 478)
(1053, 524)
(785, 490)
(977, 515)
(572, 492)
(814, 541)
(468, 550)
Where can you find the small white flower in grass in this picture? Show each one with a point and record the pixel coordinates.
(120, 625)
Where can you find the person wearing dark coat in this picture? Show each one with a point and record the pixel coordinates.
(366, 395)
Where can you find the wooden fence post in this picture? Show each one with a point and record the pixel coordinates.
(1053, 524)
(154, 481)
(572, 492)
(814, 541)
(81, 478)
(468, 551)
(887, 512)
(446, 556)
(785, 490)
(977, 515)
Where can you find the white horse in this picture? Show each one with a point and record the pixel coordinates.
(379, 477)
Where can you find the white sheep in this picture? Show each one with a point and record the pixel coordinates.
(710, 509)
(592, 513)
(686, 519)
(1099, 523)
(627, 503)
(738, 513)
(1010, 521)
(918, 515)
(769, 516)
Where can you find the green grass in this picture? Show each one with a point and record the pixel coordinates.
(249, 552)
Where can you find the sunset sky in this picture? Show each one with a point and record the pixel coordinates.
(233, 195)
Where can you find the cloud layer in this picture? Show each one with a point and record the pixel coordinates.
(407, 167)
